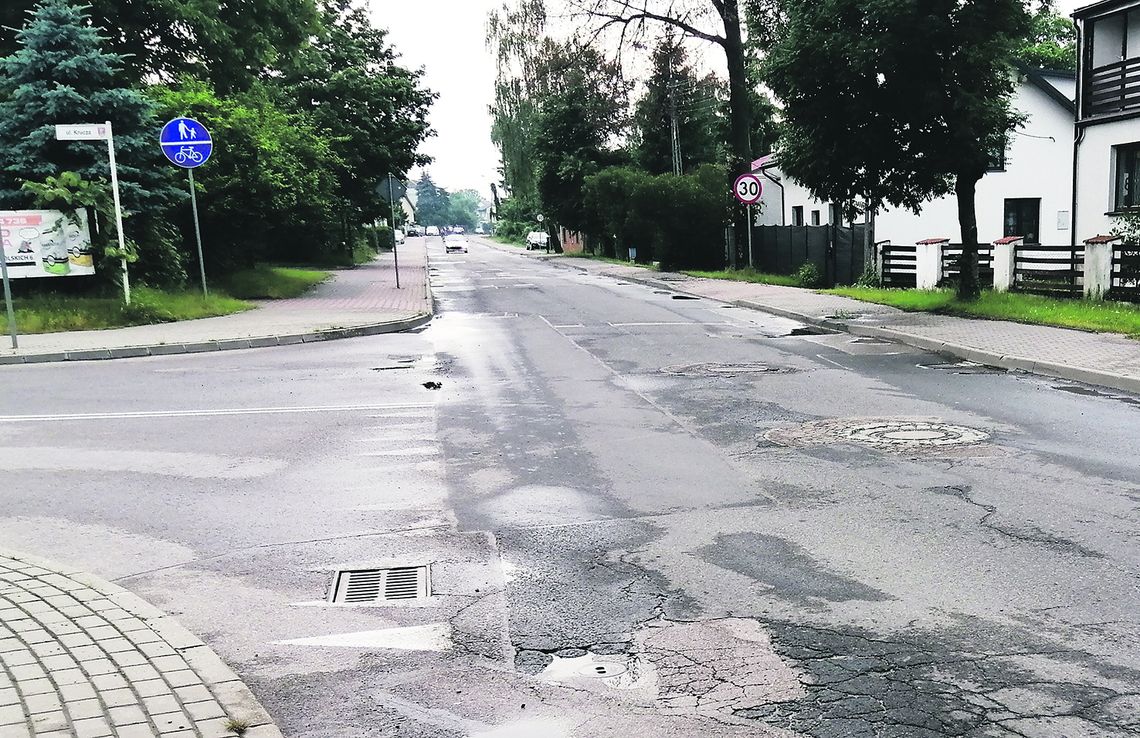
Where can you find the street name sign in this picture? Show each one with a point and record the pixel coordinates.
(186, 143)
(83, 132)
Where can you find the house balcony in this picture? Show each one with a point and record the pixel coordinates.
(1112, 89)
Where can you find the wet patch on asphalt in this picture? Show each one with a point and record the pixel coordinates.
(791, 572)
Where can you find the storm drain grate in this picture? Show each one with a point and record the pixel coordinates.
(369, 586)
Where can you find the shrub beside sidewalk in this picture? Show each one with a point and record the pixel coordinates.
(1102, 317)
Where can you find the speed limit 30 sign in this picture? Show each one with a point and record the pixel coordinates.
(748, 189)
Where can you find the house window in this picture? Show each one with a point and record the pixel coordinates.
(1023, 218)
(834, 216)
(798, 215)
(1128, 177)
(815, 217)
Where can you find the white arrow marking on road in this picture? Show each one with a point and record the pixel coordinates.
(434, 637)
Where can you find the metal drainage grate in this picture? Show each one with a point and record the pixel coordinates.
(685, 297)
(369, 586)
(718, 369)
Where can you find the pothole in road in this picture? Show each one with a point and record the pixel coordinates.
(882, 433)
(725, 369)
(963, 367)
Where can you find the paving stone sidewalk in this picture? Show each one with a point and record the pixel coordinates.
(359, 301)
(83, 658)
(1108, 360)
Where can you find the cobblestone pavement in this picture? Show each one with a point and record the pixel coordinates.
(355, 298)
(84, 658)
(1097, 358)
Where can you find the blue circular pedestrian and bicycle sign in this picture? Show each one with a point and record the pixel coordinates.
(186, 142)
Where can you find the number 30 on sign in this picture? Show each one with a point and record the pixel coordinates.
(748, 189)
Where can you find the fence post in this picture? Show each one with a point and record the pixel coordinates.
(880, 248)
(1098, 266)
(1005, 262)
(928, 263)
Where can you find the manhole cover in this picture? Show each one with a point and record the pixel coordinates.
(882, 433)
(718, 369)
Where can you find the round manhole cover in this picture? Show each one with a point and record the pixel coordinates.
(884, 433)
(914, 433)
(719, 369)
(603, 670)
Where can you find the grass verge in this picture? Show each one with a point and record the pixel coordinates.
(749, 274)
(271, 282)
(1087, 315)
(54, 313)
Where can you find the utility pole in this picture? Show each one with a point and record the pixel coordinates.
(673, 127)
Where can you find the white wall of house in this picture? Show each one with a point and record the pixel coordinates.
(1038, 166)
(1096, 175)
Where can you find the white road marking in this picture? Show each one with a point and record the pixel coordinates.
(145, 414)
(829, 361)
(434, 637)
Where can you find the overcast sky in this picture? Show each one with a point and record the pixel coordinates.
(448, 39)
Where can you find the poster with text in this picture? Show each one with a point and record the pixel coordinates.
(46, 243)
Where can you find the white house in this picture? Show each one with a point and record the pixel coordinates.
(1028, 192)
(1107, 144)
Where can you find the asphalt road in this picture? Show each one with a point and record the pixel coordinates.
(643, 515)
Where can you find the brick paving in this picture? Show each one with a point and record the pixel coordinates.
(365, 296)
(1098, 358)
(83, 658)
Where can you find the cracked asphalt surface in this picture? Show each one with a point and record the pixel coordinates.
(632, 530)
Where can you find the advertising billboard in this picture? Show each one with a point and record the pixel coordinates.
(46, 243)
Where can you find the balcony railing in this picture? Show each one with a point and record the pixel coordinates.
(1113, 88)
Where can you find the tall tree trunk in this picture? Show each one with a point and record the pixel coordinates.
(740, 114)
(968, 287)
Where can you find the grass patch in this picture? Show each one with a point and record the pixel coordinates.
(272, 282)
(748, 274)
(506, 241)
(1087, 315)
(611, 260)
(54, 313)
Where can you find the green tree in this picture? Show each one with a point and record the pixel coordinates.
(372, 111)
(464, 207)
(516, 35)
(229, 43)
(433, 204)
(675, 95)
(269, 191)
(60, 74)
(576, 126)
(897, 102)
(1052, 40)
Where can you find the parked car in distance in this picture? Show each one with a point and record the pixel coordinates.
(479, 230)
(399, 235)
(431, 231)
(455, 243)
(414, 230)
(537, 240)
(458, 229)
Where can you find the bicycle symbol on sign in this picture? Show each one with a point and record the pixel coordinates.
(188, 153)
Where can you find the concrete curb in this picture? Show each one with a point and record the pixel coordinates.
(169, 349)
(225, 685)
(953, 350)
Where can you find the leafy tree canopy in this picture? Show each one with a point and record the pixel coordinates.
(229, 43)
(60, 74)
(1052, 40)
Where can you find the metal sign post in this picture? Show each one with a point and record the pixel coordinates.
(187, 143)
(392, 203)
(8, 296)
(748, 189)
(392, 189)
(104, 132)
